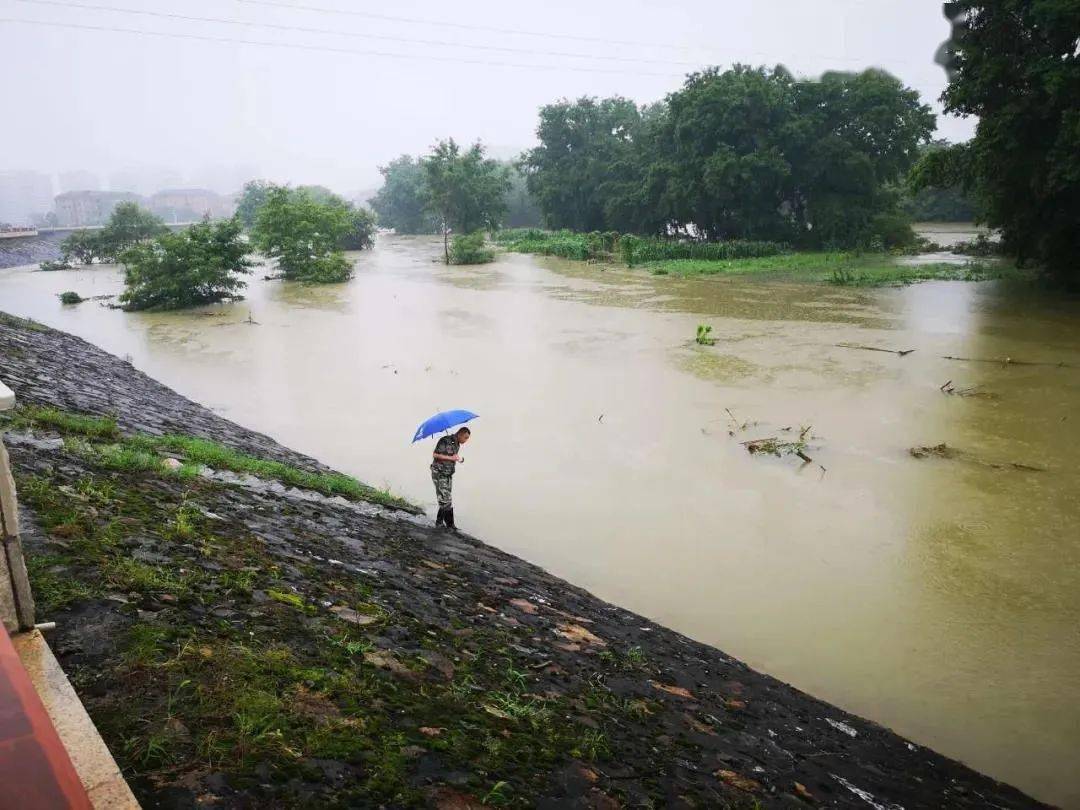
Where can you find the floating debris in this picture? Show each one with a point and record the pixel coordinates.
(972, 391)
(1008, 361)
(943, 450)
(778, 447)
(899, 352)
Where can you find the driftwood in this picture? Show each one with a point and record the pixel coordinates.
(1007, 361)
(971, 391)
(899, 352)
(945, 451)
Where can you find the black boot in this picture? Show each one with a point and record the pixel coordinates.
(440, 519)
(449, 519)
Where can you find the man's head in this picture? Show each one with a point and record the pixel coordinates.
(463, 435)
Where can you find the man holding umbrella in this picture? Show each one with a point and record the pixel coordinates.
(446, 457)
(444, 462)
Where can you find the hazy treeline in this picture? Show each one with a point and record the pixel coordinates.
(749, 153)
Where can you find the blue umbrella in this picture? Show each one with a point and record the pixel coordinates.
(442, 421)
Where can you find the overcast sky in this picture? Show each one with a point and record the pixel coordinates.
(332, 110)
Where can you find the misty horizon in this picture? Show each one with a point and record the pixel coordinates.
(159, 104)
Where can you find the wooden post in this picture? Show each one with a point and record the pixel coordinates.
(16, 601)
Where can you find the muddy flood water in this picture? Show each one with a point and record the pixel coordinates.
(938, 596)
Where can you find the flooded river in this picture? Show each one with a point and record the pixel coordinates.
(940, 597)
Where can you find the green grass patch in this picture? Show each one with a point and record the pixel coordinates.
(290, 599)
(219, 457)
(98, 437)
(635, 250)
(566, 244)
(16, 322)
(95, 427)
(845, 269)
(53, 586)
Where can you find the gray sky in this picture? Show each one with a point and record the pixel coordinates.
(110, 101)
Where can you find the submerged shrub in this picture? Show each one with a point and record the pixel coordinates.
(468, 248)
(70, 297)
(199, 265)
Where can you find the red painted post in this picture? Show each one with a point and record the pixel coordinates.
(35, 770)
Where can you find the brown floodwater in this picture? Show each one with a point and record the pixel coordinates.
(940, 597)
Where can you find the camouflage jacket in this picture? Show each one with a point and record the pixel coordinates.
(447, 446)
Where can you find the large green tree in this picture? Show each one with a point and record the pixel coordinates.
(722, 148)
(304, 235)
(466, 190)
(199, 265)
(1015, 64)
(854, 137)
(571, 171)
(402, 201)
(739, 153)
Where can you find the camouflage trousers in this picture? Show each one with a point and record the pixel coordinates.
(443, 485)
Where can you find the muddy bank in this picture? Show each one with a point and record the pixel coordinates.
(241, 642)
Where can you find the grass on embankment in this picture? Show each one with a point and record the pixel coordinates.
(845, 269)
(100, 437)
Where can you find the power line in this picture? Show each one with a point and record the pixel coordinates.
(330, 49)
(333, 32)
(490, 29)
(461, 26)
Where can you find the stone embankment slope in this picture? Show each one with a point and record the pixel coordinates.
(30, 249)
(241, 642)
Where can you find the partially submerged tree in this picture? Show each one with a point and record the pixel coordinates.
(199, 265)
(251, 200)
(81, 247)
(402, 202)
(361, 233)
(466, 191)
(304, 235)
(1015, 65)
(128, 225)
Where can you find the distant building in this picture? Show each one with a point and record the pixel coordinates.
(79, 180)
(23, 195)
(77, 209)
(190, 204)
(145, 179)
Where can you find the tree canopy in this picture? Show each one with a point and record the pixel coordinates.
(305, 235)
(749, 153)
(251, 200)
(1015, 65)
(402, 201)
(199, 265)
(466, 190)
(128, 225)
